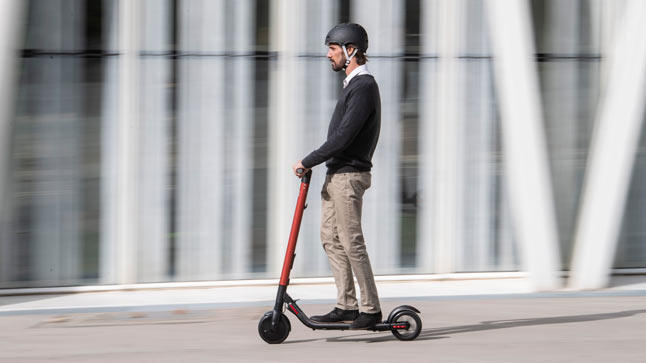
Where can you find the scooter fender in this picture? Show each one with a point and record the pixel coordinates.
(401, 308)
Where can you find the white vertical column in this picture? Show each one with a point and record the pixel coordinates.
(118, 242)
(524, 146)
(383, 20)
(447, 167)
(153, 176)
(612, 152)
(285, 126)
(478, 211)
(11, 30)
(440, 127)
(124, 246)
(201, 140)
(242, 112)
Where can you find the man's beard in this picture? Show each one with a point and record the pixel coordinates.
(336, 67)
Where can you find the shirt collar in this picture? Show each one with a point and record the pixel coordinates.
(362, 69)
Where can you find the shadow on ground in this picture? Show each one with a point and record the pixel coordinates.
(445, 332)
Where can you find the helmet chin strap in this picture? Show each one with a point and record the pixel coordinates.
(348, 58)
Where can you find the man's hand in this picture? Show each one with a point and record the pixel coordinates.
(297, 166)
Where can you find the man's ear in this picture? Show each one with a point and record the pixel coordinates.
(350, 48)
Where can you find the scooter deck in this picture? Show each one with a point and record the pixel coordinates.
(383, 326)
(300, 314)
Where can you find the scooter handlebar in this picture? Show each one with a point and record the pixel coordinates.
(306, 177)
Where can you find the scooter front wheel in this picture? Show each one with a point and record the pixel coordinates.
(414, 325)
(276, 335)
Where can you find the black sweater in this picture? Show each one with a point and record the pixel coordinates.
(354, 129)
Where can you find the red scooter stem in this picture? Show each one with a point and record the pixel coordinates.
(296, 226)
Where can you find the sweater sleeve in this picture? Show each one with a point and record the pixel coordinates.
(358, 109)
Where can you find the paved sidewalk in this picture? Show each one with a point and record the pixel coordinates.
(470, 320)
(495, 328)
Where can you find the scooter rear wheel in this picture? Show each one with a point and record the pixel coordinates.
(276, 335)
(414, 325)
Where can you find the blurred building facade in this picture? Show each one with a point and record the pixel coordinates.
(152, 140)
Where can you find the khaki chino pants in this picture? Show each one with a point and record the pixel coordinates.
(342, 239)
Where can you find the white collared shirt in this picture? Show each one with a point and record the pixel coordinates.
(362, 69)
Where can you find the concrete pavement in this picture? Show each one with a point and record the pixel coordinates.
(495, 325)
(495, 329)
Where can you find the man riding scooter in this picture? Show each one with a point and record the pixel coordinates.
(351, 141)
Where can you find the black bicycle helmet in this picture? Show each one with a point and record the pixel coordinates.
(348, 33)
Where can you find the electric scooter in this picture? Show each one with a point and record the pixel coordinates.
(274, 327)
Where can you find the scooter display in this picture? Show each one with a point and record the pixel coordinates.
(274, 327)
